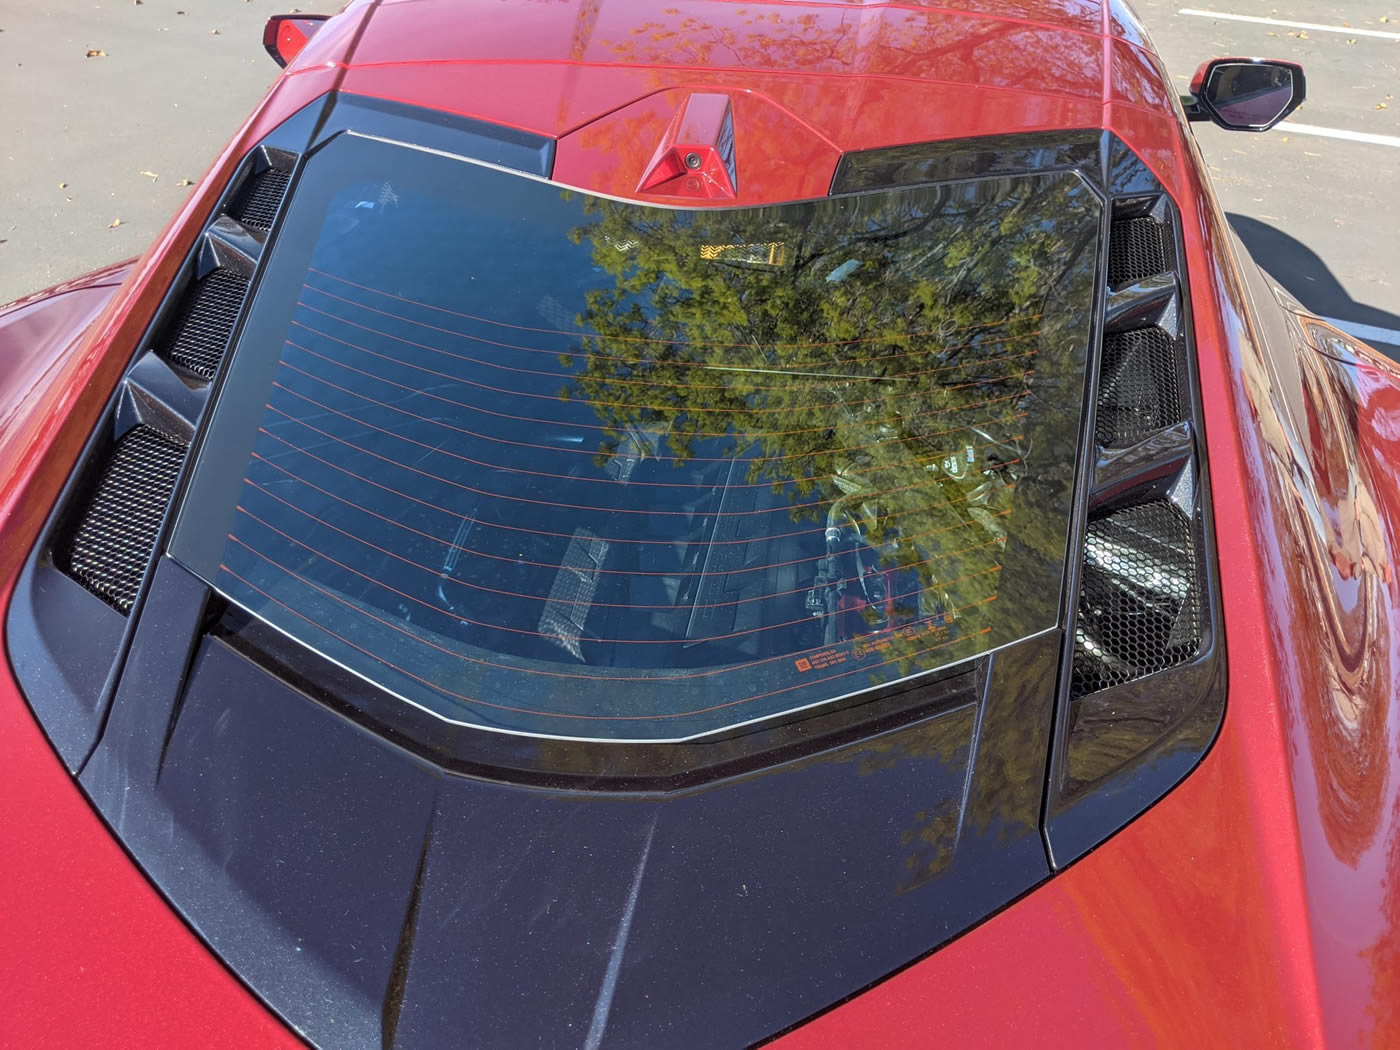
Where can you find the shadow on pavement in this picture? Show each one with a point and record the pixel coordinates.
(1306, 277)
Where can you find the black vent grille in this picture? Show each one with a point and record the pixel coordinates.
(1136, 250)
(205, 321)
(257, 203)
(113, 542)
(1139, 386)
(1139, 597)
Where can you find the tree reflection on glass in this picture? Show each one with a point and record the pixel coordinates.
(877, 360)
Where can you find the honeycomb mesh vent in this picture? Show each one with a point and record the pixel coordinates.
(109, 550)
(1139, 597)
(205, 321)
(1136, 250)
(257, 202)
(1139, 386)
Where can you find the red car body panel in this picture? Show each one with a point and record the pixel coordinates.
(93, 954)
(1258, 904)
(814, 80)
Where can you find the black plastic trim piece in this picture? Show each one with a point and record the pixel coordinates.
(596, 766)
(976, 158)
(1146, 468)
(1141, 303)
(351, 883)
(1119, 750)
(507, 147)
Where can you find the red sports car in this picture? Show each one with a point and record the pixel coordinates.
(626, 525)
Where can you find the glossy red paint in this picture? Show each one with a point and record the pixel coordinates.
(93, 955)
(36, 333)
(778, 156)
(1257, 905)
(694, 157)
(808, 81)
(285, 36)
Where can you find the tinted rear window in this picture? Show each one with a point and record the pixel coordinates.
(548, 463)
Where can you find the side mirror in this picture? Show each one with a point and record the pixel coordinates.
(285, 35)
(1245, 94)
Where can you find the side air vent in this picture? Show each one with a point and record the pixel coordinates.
(204, 321)
(1142, 687)
(1139, 609)
(112, 544)
(1139, 386)
(1139, 601)
(112, 535)
(257, 202)
(1136, 250)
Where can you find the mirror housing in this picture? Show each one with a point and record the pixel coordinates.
(1245, 94)
(285, 35)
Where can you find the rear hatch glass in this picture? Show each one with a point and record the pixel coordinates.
(550, 463)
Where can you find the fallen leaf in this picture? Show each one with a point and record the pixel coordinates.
(95, 52)
(213, 32)
(1382, 105)
(150, 175)
(1303, 34)
(185, 182)
(63, 185)
(1283, 138)
(1351, 40)
(114, 224)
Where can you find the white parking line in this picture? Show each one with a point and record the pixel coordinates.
(1338, 133)
(1367, 333)
(1316, 26)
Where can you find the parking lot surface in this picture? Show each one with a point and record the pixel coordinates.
(1314, 200)
(97, 148)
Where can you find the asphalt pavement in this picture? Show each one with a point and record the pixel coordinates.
(98, 152)
(107, 109)
(1315, 199)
